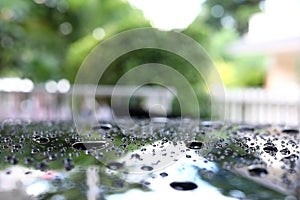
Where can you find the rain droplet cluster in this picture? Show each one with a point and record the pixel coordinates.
(265, 154)
(40, 145)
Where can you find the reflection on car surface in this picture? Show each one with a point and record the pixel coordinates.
(147, 159)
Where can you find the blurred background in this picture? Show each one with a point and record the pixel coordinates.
(254, 44)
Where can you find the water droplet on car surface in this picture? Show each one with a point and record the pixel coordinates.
(195, 145)
(89, 145)
(35, 151)
(270, 148)
(103, 126)
(42, 140)
(147, 168)
(257, 171)
(285, 151)
(183, 186)
(163, 174)
(115, 165)
(290, 131)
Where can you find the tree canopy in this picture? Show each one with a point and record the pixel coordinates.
(48, 39)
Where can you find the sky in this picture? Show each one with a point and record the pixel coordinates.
(279, 20)
(169, 14)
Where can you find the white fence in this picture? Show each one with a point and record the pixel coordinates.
(259, 106)
(39, 104)
(250, 105)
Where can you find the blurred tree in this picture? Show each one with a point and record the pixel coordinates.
(230, 14)
(99, 20)
(132, 19)
(48, 39)
(31, 38)
(199, 32)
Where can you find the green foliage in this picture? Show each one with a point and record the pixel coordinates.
(31, 42)
(199, 31)
(112, 16)
(239, 10)
(136, 58)
(50, 40)
(236, 71)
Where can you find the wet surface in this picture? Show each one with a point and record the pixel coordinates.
(147, 159)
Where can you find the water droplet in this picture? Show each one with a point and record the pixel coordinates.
(163, 174)
(79, 146)
(89, 145)
(285, 151)
(17, 146)
(42, 140)
(270, 149)
(227, 165)
(147, 168)
(290, 131)
(145, 184)
(11, 159)
(211, 157)
(115, 165)
(195, 145)
(52, 157)
(135, 156)
(50, 149)
(183, 186)
(35, 151)
(104, 126)
(28, 161)
(257, 171)
(290, 160)
(6, 140)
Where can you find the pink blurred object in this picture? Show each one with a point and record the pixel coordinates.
(49, 175)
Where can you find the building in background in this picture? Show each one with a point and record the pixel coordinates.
(274, 33)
